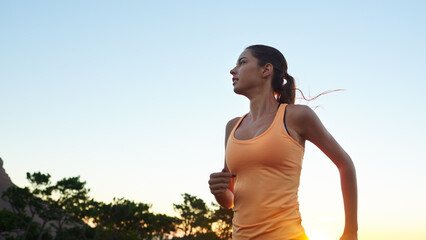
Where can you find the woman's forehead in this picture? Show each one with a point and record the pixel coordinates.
(245, 54)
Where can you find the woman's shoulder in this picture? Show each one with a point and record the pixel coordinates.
(231, 123)
(300, 111)
(229, 126)
(300, 116)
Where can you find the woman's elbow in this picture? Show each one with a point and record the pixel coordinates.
(347, 166)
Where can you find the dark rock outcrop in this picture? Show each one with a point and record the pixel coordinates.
(5, 183)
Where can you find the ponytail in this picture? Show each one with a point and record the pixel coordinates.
(284, 92)
(288, 90)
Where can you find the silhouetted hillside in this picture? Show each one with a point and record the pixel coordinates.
(5, 183)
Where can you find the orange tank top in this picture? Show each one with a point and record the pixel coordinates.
(265, 189)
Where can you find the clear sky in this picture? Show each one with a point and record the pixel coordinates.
(134, 96)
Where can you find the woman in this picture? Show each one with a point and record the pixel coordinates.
(264, 152)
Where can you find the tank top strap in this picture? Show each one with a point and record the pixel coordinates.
(238, 124)
(278, 121)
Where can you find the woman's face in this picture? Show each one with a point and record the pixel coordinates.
(246, 74)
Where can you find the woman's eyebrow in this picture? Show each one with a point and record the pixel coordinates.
(241, 58)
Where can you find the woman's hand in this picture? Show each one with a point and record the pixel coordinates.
(222, 188)
(349, 236)
(219, 182)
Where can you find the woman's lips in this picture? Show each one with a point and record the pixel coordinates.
(234, 80)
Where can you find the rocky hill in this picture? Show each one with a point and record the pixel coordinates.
(5, 183)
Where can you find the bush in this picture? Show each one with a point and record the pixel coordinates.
(11, 221)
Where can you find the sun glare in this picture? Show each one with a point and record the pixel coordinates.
(315, 235)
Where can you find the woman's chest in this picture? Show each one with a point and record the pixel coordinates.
(249, 129)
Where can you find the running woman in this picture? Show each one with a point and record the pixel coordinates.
(264, 153)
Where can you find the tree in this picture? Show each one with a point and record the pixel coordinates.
(41, 189)
(193, 215)
(10, 221)
(70, 200)
(40, 184)
(161, 224)
(222, 221)
(122, 219)
(67, 207)
(20, 200)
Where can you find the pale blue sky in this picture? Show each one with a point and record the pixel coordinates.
(134, 96)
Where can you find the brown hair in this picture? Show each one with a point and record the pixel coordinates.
(285, 93)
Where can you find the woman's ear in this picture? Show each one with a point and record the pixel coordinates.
(267, 70)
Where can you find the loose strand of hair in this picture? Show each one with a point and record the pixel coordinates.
(313, 98)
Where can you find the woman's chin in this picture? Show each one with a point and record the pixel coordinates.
(238, 91)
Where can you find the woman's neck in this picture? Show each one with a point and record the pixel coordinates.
(263, 105)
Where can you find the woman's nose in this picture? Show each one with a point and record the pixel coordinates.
(232, 72)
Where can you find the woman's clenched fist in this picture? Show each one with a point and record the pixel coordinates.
(219, 181)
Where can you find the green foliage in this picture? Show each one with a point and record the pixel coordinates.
(41, 190)
(69, 201)
(71, 233)
(10, 221)
(222, 219)
(123, 215)
(12, 225)
(18, 198)
(40, 184)
(125, 219)
(200, 236)
(161, 224)
(67, 208)
(193, 215)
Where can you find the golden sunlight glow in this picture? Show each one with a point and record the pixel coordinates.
(316, 235)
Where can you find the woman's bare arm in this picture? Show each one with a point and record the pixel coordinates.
(221, 183)
(310, 128)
